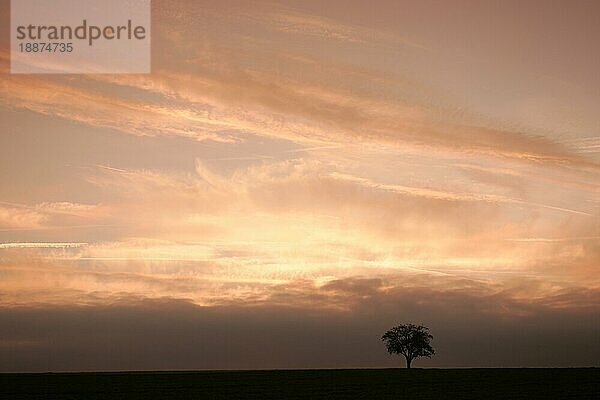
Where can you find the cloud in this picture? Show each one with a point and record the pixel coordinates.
(333, 116)
(312, 25)
(162, 334)
(449, 196)
(37, 245)
(210, 104)
(93, 108)
(19, 218)
(50, 216)
(345, 218)
(552, 240)
(274, 232)
(321, 28)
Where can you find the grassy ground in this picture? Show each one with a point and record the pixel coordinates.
(575, 383)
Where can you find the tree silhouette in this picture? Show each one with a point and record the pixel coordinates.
(410, 340)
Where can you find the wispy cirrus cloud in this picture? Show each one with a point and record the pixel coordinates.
(209, 105)
(40, 245)
(47, 215)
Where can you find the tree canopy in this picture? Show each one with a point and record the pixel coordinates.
(409, 340)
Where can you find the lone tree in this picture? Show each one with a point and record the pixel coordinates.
(410, 340)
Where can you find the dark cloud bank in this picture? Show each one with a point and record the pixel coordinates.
(470, 331)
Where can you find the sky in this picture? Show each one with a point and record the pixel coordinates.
(295, 177)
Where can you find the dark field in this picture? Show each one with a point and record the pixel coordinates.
(574, 383)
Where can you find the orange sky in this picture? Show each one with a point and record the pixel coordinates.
(313, 155)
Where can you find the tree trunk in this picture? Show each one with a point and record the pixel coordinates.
(408, 361)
